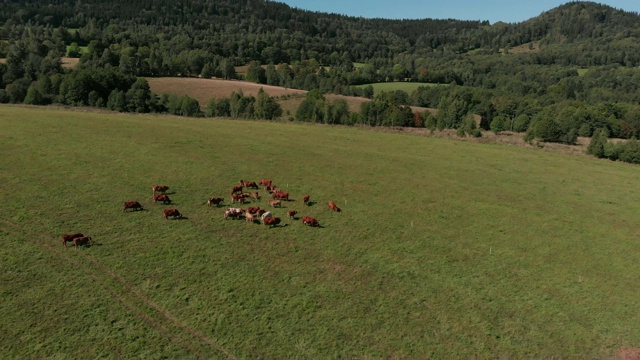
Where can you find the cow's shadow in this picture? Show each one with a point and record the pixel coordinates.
(311, 203)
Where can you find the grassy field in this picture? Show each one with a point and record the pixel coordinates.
(409, 87)
(205, 89)
(443, 249)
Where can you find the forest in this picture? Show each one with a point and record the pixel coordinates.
(571, 71)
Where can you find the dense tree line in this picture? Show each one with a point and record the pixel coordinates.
(577, 74)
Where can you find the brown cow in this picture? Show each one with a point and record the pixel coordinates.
(265, 182)
(215, 201)
(271, 221)
(269, 188)
(305, 199)
(253, 210)
(132, 205)
(173, 213)
(159, 189)
(275, 203)
(308, 220)
(84, 240)
(250, 185)
(281, 195)
(237, 198)
(162, 198)
(241, 182)
(249, 217)
(256, 196)
(69, 238)
(333, 206)
(261, 212)
(291, 214)
(236, 189)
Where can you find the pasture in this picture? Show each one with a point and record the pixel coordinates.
(443, 249)
(205, 89)
(406, 86)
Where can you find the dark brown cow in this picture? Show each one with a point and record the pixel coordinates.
(308, 220)
(134, 205)
(215, 201)
(261, 211)
(160, 189)
(162, 198)
(333, 206)
(275, 203)
(69, 238)
(291, 214)
(281, 195)
(269, 188)
(173, 213)
(305, 199)
(79, 241)
(250, 185)
(271, 221)
(253, 210)
(236, 189)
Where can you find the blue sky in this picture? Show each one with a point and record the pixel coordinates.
(492, 10)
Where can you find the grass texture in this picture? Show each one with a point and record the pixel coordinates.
(443, 249)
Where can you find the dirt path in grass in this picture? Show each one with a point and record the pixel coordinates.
(135, 302)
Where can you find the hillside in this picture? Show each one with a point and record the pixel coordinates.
(442, 249)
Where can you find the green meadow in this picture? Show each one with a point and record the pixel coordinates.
(443, 249)
(409, 87)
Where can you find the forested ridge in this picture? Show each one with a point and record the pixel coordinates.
(569, 71)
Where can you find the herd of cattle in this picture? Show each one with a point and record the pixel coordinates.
(252, 214)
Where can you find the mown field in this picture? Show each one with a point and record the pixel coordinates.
(443, 249)
(409, 87)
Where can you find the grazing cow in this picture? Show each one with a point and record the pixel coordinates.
(250, 185)
(83, 240)
(271, 221)
(256, 196)
(69, 238)
(305, 199)
(270, 188)
(233, 213)
(132, 205)
(275, 203)
(253, 210)
(162, 198)
(173, 213)
(160, 189)
(333, 206)
(249, 217)
(265, 182)
(281, 195)
(261, 211)
(266, 214)
(291, 214)
(237, 197)
(308, 220)
(236, 189)
(215, 201)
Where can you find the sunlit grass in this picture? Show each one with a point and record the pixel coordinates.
(443, 249)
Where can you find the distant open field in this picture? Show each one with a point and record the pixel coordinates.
(409, 87)
(205, 89)
(443, 249)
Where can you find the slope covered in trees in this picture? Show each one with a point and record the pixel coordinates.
(581, 72)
